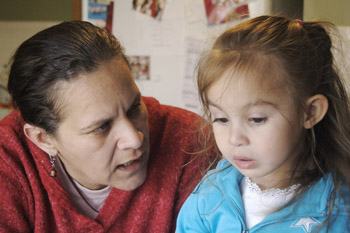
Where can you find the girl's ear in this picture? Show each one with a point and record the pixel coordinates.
(316, 109)
(40, 138)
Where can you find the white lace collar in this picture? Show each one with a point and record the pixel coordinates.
(273, 192)
(260, 203)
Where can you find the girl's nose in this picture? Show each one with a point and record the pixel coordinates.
(238, 136)
(129, 136)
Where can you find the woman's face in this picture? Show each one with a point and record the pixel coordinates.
(103, 137)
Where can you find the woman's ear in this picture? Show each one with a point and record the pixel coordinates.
(316, 109)
(40, 138)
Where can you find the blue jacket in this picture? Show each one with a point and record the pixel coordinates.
(216, 205)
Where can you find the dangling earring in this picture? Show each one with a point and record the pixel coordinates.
(53, 171)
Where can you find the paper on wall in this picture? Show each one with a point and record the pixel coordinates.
(190, 98)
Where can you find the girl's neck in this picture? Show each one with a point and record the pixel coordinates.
(265, 184)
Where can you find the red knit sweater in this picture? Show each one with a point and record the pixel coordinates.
(31, 201)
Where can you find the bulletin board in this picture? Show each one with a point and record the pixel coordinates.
(167, 43)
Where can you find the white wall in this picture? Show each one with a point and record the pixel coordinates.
(168, 44)
(336, 12)
(341, 41)
(12, 34)
(166, 41)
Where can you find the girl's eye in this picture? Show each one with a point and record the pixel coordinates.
(257, 120)
(134, 110)
(221, 120)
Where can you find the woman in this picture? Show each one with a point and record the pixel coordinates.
(83, 151)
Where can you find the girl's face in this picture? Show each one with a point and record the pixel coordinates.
(256, 127)
(103, 138)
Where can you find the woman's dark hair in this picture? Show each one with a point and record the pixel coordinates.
(59, 53)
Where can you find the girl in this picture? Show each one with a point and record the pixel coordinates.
(280, 117)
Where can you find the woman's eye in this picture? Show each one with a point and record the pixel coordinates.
(134, 110)
(103, 127)
(220, 120)
(258, 120)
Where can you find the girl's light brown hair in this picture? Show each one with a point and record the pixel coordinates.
(303, 51)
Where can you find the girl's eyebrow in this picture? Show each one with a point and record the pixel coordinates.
(259, 102)
(213, 104)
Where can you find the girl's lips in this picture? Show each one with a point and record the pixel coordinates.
(243, 162)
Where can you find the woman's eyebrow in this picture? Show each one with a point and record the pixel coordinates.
(94, 124)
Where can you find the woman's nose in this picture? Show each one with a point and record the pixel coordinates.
(129, 136)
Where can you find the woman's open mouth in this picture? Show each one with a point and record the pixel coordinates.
(131, 166)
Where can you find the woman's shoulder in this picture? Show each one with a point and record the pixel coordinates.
(12, 121)
(161, 112)
(174, 127)
(15, 158)
(11, 130)
(12, 135)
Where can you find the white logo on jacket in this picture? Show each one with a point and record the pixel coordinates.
(306, 224)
